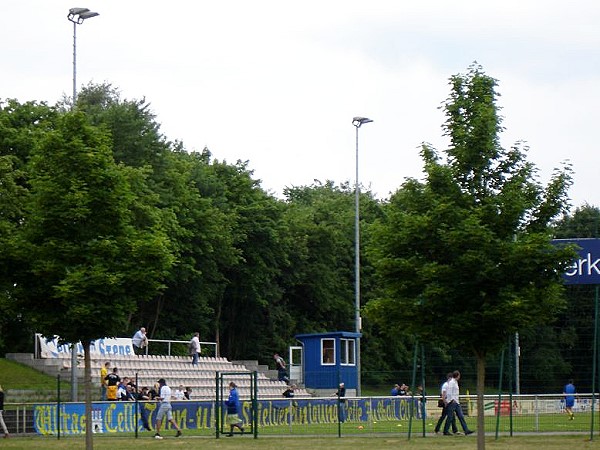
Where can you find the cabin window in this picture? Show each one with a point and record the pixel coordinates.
(328, 351)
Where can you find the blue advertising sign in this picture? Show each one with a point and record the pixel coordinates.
(586, 268)
(116, 417)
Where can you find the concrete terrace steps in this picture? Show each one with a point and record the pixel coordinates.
(176, 370)
(252, 365)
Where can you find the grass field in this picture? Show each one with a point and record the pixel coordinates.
(372, 435)
(549, 442)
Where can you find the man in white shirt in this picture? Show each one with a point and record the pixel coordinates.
(139, 341)
(444, 414)
(453, 405)
(195, 348)
(164, 396)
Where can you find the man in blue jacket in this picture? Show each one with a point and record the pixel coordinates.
(234, 410)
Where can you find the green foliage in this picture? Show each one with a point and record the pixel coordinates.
(320, 286)
(83, 260)
(20, 127)
(465, 256)
(251, 310)
(469, 247)
(104, 220)
(582, 223)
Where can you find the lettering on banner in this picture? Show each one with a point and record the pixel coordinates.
(119, 417)
(45, 419)
(203, 416)
(584, 266)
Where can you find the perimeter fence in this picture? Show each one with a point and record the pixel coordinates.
(311, 416)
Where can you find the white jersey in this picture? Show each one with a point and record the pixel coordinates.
(165, 394)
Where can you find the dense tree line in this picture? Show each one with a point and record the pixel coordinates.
(106, 221)
(206, 247)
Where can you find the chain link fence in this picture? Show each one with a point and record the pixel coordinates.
(543, 413)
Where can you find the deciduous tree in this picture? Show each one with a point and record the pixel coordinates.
(466, 255)
(85, 262)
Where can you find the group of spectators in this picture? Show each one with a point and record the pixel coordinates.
(115, 388)
(400, 389)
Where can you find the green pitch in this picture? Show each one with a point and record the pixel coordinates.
(550, 442)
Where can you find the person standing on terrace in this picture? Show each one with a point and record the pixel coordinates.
(195, 348)
(139, 341)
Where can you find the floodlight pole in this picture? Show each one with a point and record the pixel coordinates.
(74, 63)
(357, 122)
(77, 16)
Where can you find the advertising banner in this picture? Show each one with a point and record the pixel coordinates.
(586, 268)
(50, 348)
(116, 417)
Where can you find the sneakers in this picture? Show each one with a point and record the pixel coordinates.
(179, 433)
(458, 433)
(157, 436)
(469, 432)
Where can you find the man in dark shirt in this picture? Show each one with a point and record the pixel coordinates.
(112, 384)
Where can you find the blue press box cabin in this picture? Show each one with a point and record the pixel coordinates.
(329, 359)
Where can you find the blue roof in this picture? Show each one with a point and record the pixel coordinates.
(341, 334)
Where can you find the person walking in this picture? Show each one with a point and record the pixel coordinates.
(569, 392)
(234, 410)
(2, 424)
(144, 397)
(281, 368)
(195, 348)
(442, 404)
(341, 395)
(453, 405)
(165, 409)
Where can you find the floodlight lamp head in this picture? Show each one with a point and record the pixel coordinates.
(78, 11)
(358, 121)
(78, 15)
(88, 14)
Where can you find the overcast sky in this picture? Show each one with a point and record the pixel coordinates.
(277, 82)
